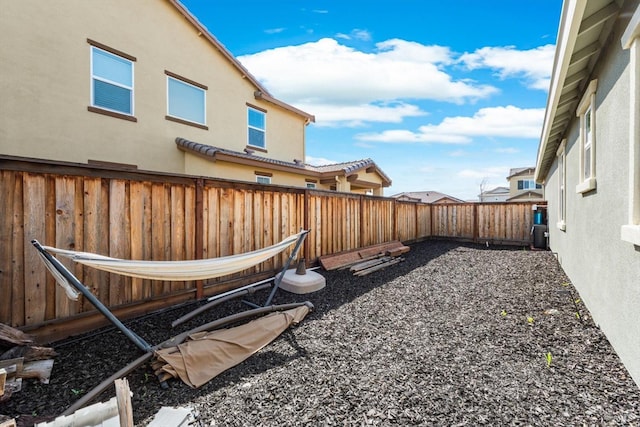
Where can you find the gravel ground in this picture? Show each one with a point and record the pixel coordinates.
(455, 335)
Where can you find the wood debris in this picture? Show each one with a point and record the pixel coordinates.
(355, 257)
(368, 267)
(21, 359)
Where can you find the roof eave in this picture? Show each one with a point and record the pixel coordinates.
(310, 118)
(570, 20)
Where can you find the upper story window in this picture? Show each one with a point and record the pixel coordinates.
(311, 185)
(111, 81)
(186, 100)
(587, 114)
(257, 121)
(526, 184)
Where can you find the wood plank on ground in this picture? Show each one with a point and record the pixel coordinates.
(347, 258)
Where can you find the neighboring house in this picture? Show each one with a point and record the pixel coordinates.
(522, 185)
(362, 176)
(589, 161)
(498, 194)
(426, 197)
(119, 83)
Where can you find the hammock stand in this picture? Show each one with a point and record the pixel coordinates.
(65, 278)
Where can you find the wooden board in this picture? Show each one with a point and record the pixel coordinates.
(343, 259)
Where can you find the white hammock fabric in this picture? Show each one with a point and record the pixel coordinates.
(170, 270)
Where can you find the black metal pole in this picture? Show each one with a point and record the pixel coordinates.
(276, 283)
(139, 342)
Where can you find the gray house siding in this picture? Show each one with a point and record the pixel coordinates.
(604, 268)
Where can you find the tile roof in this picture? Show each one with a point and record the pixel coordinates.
(347, 167)
(427, 196)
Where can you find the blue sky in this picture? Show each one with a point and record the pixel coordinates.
(442, 95)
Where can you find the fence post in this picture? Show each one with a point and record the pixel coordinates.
(476, 224)
(199, 214)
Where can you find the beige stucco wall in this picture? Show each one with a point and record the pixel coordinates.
(604, 268)
(45, 86)
(203, 166)
(226, 170)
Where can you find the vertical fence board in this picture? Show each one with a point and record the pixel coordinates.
(96, 235)
(118, 239)
(8, 226)
(34, 277)
(65, 235)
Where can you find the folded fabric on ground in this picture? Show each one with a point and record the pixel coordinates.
(207, 354)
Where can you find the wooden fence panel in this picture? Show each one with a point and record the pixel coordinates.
(406, 215)
(141, 215)
(505, 222)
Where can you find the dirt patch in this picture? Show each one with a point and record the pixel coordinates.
(455, 335)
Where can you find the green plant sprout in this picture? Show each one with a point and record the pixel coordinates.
(76, 392)
(549, 357)
(503, 313)
(530, 320)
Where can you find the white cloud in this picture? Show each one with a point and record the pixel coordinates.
(274, 30)
(534, 65)
(319, 161)
(327, 73)
(458, 153)
(356, 115)
(502, 122)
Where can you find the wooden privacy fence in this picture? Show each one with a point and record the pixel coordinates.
(140, 215)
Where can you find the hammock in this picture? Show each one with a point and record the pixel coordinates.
(230, 347)
(167, 270)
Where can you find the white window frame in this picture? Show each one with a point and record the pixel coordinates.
(587, 113)
(111, 82)
(188, 84)
(311, 185)
(562, 185)
(263, 179)
(249, 127)
(631, 40)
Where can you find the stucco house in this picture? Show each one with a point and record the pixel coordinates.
(498, 194)
(119, 83)
(589, 161)
(522, 185)
(427, 197)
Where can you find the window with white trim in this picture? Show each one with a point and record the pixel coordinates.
(257, 125)
(587, 114)
(311, 185)
(111, 81)
(630, 40)
(261, 179)
(186, 101)
(528, 184)
(562, 183)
